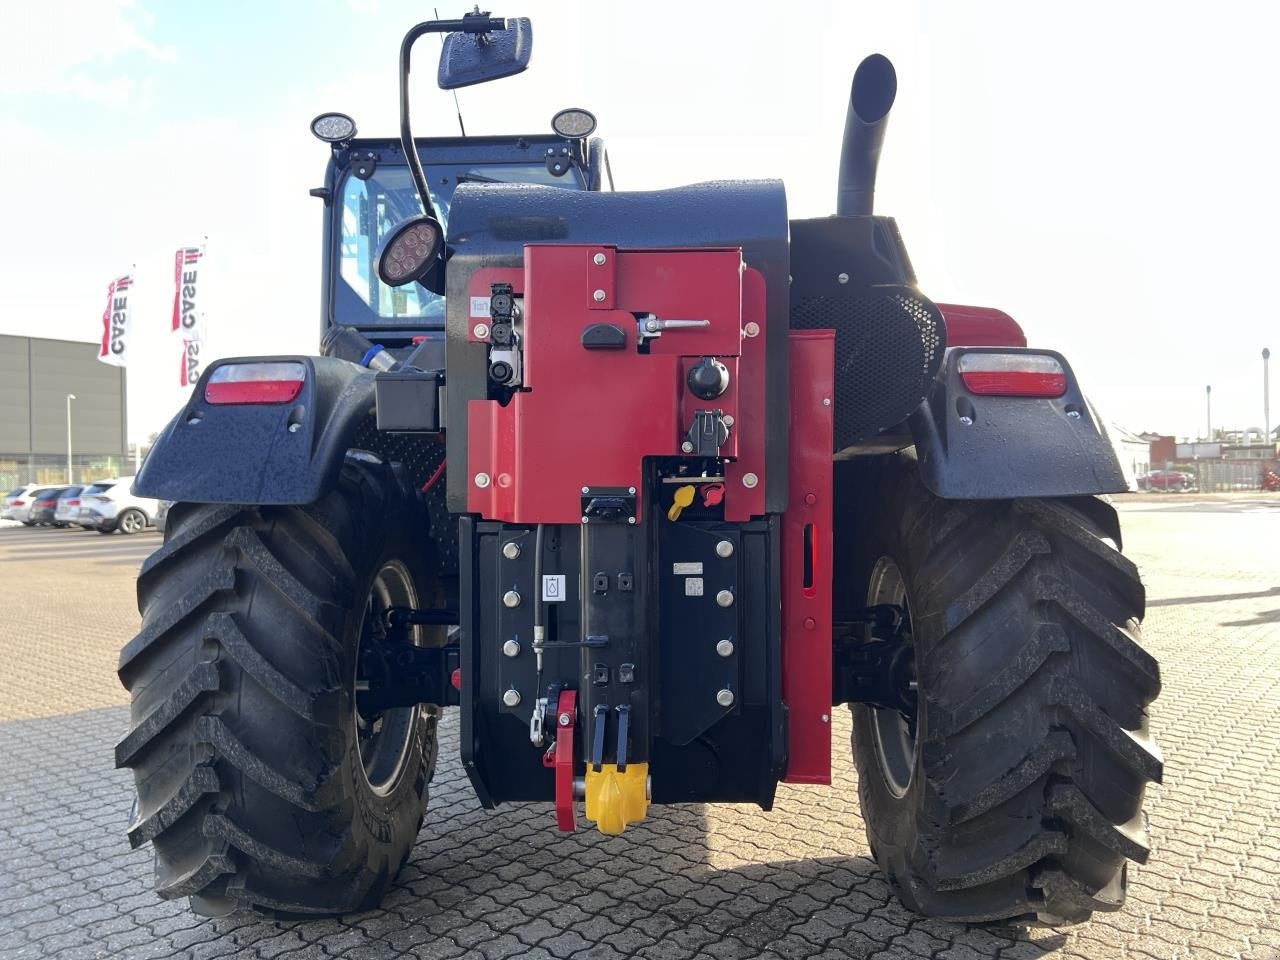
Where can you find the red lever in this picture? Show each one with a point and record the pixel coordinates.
(712, 494)
(566, 707)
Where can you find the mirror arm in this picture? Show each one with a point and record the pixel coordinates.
(472, 24)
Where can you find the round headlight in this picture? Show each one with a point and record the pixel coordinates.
(333, 127)
(574, 123)
(409, 251)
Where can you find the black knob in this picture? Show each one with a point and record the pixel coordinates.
(708, 378)
(500, 371)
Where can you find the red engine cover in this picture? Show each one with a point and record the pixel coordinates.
(590, 417)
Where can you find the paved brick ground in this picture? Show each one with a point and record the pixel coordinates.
(700, 882)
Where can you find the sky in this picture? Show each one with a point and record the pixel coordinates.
(1105, 172)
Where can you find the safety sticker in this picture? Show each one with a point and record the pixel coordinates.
(480, 306)
(552, 587)
(693, 586)
(687, 569)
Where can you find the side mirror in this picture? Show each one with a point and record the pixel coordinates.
(470, 58)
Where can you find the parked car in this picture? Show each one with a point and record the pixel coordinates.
(17, 501)
(1158, 480)
(68, 504)
(44, 507)
(68, 509)
(108, 506)
(162, 514)
(23, 505)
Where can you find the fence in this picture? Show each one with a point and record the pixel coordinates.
(1216, 476)
(17, 469)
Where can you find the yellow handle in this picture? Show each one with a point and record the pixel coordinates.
(684, 497)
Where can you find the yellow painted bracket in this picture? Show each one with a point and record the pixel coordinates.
(616, 799)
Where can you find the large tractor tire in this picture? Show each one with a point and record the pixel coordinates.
(259, 783)
(1013, 791)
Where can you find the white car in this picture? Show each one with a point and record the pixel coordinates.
(108, 506)
(17, 502)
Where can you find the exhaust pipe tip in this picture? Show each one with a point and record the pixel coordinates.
(871, 96)
(875, 86)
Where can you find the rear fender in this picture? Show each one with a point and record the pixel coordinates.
(1013, 446)
(276, 453)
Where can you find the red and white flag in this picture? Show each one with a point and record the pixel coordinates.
(188, 310)
(116, 323)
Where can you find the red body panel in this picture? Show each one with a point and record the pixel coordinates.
(980, 327)
(590, 417)
(806, 608)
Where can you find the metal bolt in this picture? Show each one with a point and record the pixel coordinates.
(599, 296)
(511, 550)
(295, 427)
(586, 489)
(842, 278)
(725, 598)
(1073, 414)
(565, 719)
(481, 331)
(511, 599)
(725, 648)
(826, 718)
(631, 519)
(631, 490)
(749, 480)
(654, 326)
(725, 697)
(724, 548)
(511, 698)
(586, 519)
(967, 421)
(600, 259)
(687, 446)
(752, 329)
(511, 648)
(483, 480)
(728, 419)
(826, 401)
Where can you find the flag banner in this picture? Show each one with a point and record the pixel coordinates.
(188, 310)
(116, 324)
(192, 366)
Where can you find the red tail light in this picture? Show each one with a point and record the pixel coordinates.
(19, 503)
(274, 382)
(73, 503)
(46, 503)
(1013, 375)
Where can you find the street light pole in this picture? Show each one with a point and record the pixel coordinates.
(70, 478)
(1208, 412)
(1266, 400)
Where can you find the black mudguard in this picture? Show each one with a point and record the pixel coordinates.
(261, 453)
(1013, 446)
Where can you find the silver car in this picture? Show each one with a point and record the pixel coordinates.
(109, 505)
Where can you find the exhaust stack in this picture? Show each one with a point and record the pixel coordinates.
(875, 84)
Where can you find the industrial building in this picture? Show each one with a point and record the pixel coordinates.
(36, 378)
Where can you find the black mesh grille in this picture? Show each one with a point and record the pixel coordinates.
(888, 350)
(419, 455)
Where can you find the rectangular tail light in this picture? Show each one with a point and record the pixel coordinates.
(18, 503)
(271, 382)
(1013, 375)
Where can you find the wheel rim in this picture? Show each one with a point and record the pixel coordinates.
(131, 522)
(385, 738)
(894, 736)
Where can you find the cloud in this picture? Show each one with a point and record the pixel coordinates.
(92, 42)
